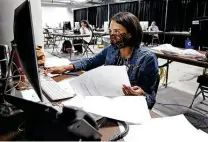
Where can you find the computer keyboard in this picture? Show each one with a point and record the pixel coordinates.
(52, 90)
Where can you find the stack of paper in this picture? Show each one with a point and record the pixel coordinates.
(102, 81)
(168, 129)
(95, 89)
(132, 109)
(169, 49)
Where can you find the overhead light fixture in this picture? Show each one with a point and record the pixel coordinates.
(81, 0)
(54, 3)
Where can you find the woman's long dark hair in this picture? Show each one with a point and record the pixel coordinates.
(86, 23)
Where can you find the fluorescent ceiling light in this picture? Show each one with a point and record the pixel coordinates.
(66, 1)
(54, 3)
(81, 0)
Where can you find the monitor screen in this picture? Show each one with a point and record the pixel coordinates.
(77, 25)
(144, 25)
(199, 31)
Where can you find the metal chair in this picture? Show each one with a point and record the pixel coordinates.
(156, 88)
(155, 38)
(86, 45)
(202, 88)
(48, 39)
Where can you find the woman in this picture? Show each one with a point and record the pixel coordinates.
(85, 29)
(125, 37)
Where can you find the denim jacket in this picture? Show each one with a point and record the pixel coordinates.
(143, 68)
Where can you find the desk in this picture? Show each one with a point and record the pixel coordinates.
(69, 35)
(175, 33)
(99, 34)
(178, 33)
(153, 32)
(111, 127)
(107, 131)
(185, 60)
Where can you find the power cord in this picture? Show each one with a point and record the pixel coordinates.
(117, 137)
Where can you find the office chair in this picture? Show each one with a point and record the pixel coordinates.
(86, 45)
(155, 38)
(203, 87)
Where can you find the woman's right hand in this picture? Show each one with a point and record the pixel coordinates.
(58, 70)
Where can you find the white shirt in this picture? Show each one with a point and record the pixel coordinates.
(154, 29)
(86, 31)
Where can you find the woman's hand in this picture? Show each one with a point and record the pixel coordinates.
(133, 91)
(58, 70)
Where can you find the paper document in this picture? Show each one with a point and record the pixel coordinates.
(102, 81)
(64, 84)
(29, 95)
(55, 61)
(169, 49)
(171, 129)
(132, 109)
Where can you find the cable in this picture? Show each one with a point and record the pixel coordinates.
(121, 135)
(17, 69)
(21, 127)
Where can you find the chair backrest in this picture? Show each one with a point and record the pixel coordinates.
(157, 83)
(91, 40)
(156, 88)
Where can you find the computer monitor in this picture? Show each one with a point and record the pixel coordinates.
(144, 25)
(67, 25)
(77, 25)
(199, 32)
(24, 38)
(106, 26)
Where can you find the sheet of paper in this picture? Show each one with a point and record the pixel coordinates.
(102, 81)
(171, 129)
(64, 84)
(202, 136)
(55, 61)
(29, 95)
(132, 109)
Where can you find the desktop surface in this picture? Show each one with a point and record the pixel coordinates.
(107, 131)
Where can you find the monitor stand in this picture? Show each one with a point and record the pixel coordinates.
(6, 109)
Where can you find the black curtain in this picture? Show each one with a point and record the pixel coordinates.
(180, 15)
(102, 15)
(92, 15)
(153, 10)
(80, 14)
(200, 8)
(124, 7)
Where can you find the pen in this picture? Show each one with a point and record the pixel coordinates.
(71, 73)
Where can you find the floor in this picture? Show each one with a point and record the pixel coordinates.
(176, 98)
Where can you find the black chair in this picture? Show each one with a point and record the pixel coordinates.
(86, 45)
(156, 88)
(157, 83)
(202, 88)
(48, 39)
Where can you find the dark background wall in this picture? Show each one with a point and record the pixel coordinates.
(179, 12)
